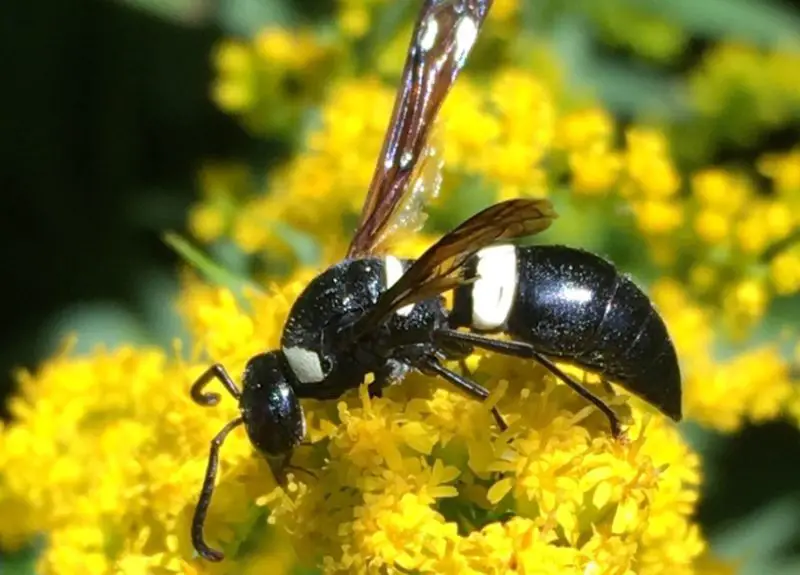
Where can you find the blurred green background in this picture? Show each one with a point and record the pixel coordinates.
(106, 120)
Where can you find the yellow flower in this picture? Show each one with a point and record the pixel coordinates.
(222, 188)
(784, 271)
(355, 16)
(746, 87)
(584, 128)
(648, 165)
(720, 191)
(501, 130)
(587, 137)
(752, 386)
(657, 216)
(703, 277)
(783, 169)
(712, 227)
(267, 81)
(337, 168)
(234, 89)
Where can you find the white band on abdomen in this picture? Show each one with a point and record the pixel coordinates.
(494, 291)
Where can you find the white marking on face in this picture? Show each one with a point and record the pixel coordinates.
(394, 271)
(305, 364)
(494, 291)
(466, 34)
(427, 39)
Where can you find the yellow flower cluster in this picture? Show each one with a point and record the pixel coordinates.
(313, 191)
(484, 134)
(411, 480)
(108, 453)
(355, 16)
(652, 182)
(587, 137)
(501, 132)
(756, 385)
(742, 90)
(736, 228)
(268, 82)
(224, 188)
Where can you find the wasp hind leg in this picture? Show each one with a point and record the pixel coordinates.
(431, 366)
(607, 387)
(527, 351)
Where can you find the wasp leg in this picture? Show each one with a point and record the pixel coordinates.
(607, 386)
(460, 353)
(218, 372)
(525, 350)
(430, 365)
(604, 383)
(199, 519)
(382, 380)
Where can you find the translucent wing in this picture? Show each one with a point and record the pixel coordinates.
(441, 267)
(424, 187)
(443, 36)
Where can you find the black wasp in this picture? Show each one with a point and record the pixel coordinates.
(377, 314)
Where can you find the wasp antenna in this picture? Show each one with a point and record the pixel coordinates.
(218, 372)
(199, 519)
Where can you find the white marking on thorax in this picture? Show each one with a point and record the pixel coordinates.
(494, 291)
(394, 271)
(305, 364)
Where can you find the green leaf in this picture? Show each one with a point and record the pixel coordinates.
(634, 90)
(22, 562)
(304, 245)
(778, 567)
(763, 22)
(306, 571)
(97, 323)
(571, 39)
(204, 264)
(157, 291)
(248, 17)
(757, 539)
(623, 88)
(186, 12)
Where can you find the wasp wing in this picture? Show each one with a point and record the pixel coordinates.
(424, 186)
(441, 267)
(443, 36)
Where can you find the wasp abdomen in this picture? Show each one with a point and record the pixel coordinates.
(572, 305)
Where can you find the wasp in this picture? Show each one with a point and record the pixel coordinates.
(376, 314)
